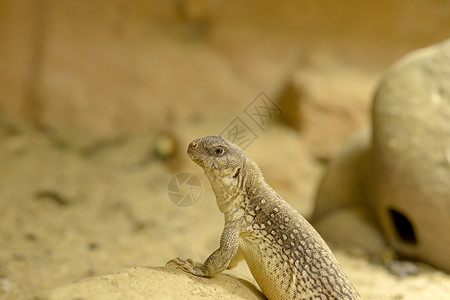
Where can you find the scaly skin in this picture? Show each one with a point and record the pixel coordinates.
(285, 254)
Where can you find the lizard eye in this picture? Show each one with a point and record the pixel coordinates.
(219, 151)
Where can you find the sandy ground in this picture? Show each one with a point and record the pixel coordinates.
(73, 206)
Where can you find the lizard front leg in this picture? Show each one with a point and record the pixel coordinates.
(218, 260)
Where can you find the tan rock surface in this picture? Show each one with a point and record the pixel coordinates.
(399, 179)
(341, 209)
(411, 154)
(155, 283)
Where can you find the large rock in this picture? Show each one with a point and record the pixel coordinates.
(344, 183)
(341, 213)
(411, 155)
(155, 283)
(399, 180)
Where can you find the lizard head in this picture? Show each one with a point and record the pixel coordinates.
(218, 156)
(229, 170)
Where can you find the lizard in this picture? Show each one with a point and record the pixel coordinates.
(285, 254)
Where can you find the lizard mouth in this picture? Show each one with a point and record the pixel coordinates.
(198, 161)
(193, 157)
(237, 173)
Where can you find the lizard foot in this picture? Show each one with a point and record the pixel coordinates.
(186, 265)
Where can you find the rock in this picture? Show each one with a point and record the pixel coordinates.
(325, 99)
(343, 184)
(155, 283)
(403, 269)
(411, 155)
(289, 100)
(341, 214)
(401, 180)
(352, 227)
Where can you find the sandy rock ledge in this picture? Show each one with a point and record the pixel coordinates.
(155, 283)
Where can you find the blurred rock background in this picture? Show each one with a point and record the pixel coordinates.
(99, 100)
(133, 65)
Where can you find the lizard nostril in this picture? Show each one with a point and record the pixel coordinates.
(194, 145)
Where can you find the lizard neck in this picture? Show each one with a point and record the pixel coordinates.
(235, 191)
(226, 190)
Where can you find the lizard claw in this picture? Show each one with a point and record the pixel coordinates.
(173, 262)
(186, 265)
(182, 263)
